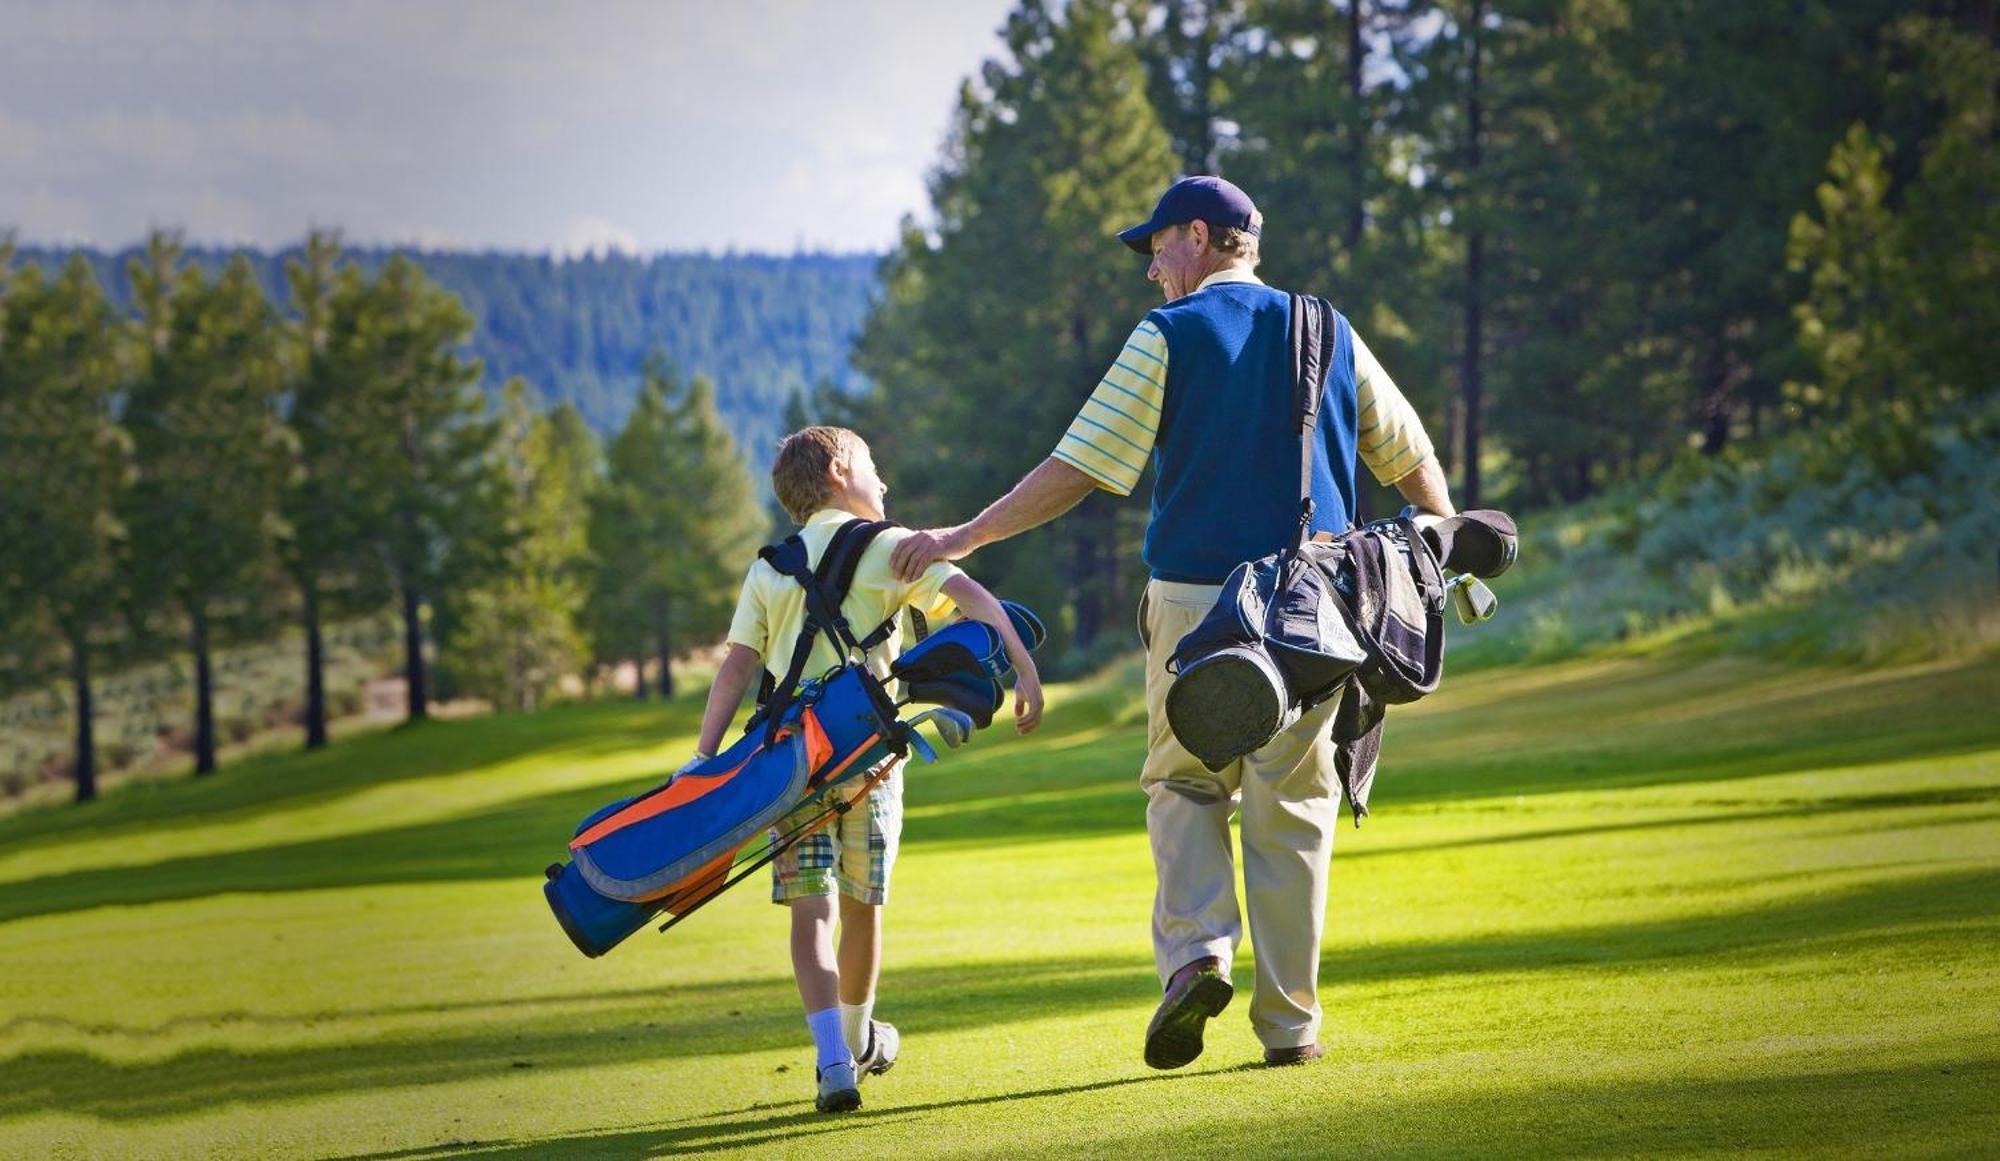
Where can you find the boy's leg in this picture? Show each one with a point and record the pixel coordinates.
(860, 961)
(860, 950)
(800, 879)
(868, 838)
(813, 962)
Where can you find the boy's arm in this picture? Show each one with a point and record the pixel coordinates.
(732, 681)
(974, 601)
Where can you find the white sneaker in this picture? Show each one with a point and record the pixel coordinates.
(880, 1057)
(839, 1090)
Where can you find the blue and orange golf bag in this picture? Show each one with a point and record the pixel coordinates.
(815, 749)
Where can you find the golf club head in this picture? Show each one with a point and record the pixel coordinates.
(921, 747)
(954, 727)
(1473, 600)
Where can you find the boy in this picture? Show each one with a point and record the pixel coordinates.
(824, 477)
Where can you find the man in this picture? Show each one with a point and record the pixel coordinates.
(1203, 388)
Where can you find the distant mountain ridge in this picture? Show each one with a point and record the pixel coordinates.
(580, 330)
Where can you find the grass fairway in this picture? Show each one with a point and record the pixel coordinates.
(1604, 907)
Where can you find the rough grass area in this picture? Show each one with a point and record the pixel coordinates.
(1604, 907)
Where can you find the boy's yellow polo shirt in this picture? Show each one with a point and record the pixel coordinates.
(772, 607)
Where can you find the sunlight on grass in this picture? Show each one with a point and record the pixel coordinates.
(1602, 907)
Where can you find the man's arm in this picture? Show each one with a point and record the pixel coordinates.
(1426, 488)
(1052, 489)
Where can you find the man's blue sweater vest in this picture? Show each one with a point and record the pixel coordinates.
(1227, 487)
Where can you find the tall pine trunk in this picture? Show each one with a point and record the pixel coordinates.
(315, 665)
(662, 610)
(204, 692)
(86, 737)
(1357, 137)
(639, 677)
(1715, 404)
(1475, 253)
(413, 652)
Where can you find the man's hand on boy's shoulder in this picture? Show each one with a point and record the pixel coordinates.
(925, 547)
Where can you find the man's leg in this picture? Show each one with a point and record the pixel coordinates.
(1291, 805)
(1188, 807)
(1196, 925)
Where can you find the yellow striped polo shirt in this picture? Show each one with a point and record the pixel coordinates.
(1112, 437)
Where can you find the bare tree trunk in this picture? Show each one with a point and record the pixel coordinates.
(1475, 247)
(315, 665)
(1715, 400)
(413, 652)
(1357, 141)
(86, 738)
(639, 677)
(204, 693)
(662, 610)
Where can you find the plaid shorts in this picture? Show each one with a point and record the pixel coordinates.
(853, 853)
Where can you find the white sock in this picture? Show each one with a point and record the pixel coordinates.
(854, 1024)
(825, 1027)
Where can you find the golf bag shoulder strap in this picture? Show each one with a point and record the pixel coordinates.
(825, 586)
(1312, 338)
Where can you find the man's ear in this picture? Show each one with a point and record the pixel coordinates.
(1198, 234)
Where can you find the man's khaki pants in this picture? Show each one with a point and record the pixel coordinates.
(1289, 796)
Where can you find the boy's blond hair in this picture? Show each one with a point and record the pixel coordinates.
(802, 473)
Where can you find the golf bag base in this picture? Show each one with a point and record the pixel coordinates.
(594, 923)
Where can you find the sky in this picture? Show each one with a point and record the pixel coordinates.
(562, 126)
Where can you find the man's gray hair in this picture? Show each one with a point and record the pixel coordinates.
(1239, 244)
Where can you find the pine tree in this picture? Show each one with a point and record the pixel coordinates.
(720, 527)
(993, 328)
(64, 466)
(212, 453)
(628, 525)
(673, 530)
(432, 496)
(322, 506)
(517, 633)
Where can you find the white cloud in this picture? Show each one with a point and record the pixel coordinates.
(623, 126)
(596, 237)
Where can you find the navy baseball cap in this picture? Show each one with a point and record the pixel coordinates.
(1194, 199)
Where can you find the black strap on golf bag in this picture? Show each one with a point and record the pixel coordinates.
(1312, 337)
(826, 588)
(1398, 670)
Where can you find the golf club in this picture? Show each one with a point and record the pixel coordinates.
(954, 727)
(1473, 600)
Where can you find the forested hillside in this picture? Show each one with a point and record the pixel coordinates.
(579, 331)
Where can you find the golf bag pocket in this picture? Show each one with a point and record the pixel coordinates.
(1277, 642)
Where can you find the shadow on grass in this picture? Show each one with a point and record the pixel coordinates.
(1915, 1110)
(1939, 912)
(1908, 1110)
(516, 840)
(742, 1130)
(275, 781)
(715, 1019)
